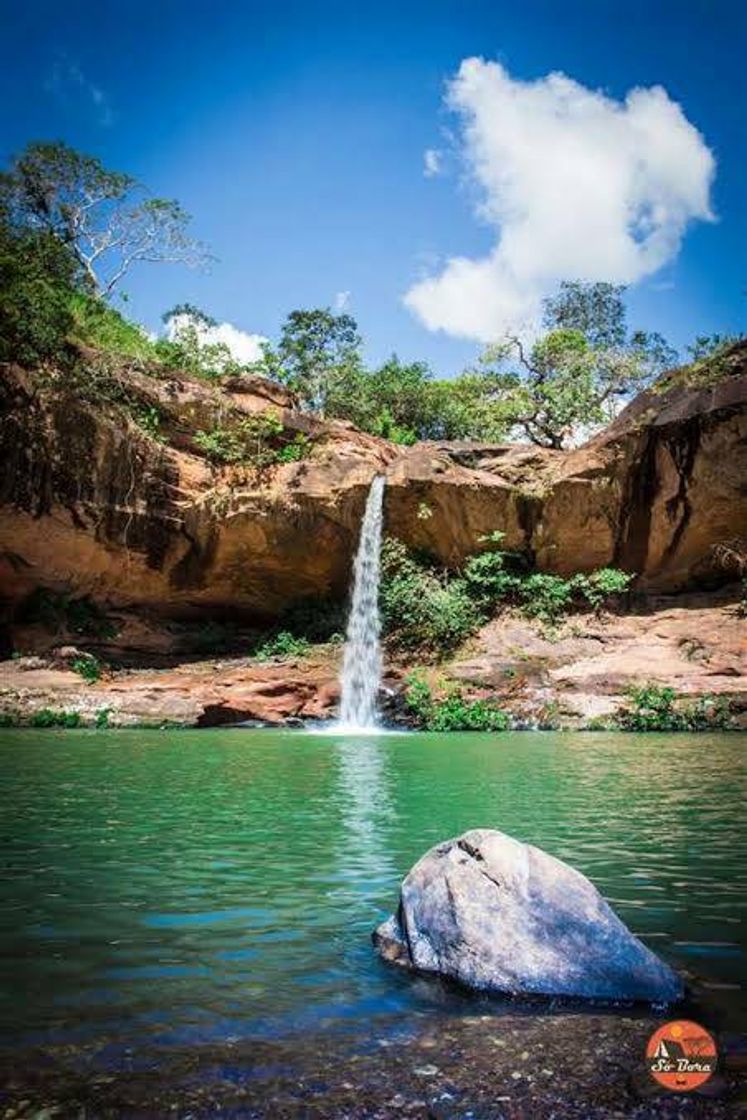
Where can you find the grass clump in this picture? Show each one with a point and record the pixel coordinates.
(100, 326)
(453, 711)
(654, 707)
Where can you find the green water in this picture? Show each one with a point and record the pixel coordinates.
(172, 888)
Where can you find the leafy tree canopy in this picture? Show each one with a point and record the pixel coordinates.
(106, 218)
(575, 375)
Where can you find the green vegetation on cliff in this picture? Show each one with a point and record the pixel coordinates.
(430, 610)
(71, 230)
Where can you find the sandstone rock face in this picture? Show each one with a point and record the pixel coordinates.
(501, 916)
(89, 504)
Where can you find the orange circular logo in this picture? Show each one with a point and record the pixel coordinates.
(681, 1055)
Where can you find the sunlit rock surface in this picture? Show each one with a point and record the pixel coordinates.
(498, 915)
(91, 505)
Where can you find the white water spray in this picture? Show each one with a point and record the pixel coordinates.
(361, 666)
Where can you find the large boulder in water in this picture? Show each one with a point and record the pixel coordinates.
(505, 917)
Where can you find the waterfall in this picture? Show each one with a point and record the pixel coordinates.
(361, 666)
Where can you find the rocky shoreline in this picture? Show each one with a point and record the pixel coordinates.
(163, 549)
(481, 1066)
(575, 677)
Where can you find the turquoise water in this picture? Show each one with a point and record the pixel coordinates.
(173, 888)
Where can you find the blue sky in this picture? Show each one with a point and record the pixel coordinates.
(295, 134)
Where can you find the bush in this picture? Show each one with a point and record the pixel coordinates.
(495, 576)
(102, 718)
(36, 283)
(602, 586)
(88, 667)
(46, 717)
(282, 645)
(653, 707)
(432, 611)
(259, 441)
(546, 597)
(453, 712)
(421, 608)
(149, 422)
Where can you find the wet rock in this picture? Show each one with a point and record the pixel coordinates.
(501, 916)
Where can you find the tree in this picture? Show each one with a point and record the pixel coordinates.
(575, 375)
(37, 275)
(105, 218)
(318, 357)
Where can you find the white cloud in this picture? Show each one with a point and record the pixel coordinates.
(72, 87)
(342, 301)
(576, 185)
(432, 162)
(243, 347)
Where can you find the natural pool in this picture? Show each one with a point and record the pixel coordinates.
(170, 890)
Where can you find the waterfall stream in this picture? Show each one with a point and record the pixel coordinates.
(361, 667)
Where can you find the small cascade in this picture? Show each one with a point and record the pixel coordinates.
(361, 667)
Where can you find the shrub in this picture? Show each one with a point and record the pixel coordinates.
(602, 585)
(9, 719)
(421, 608)
(282, 645)
(491, 577)
(259, 441)
(88, 667)
(453, 712)
(149, 421)
(293, 452)
(102, 718)
(430, 610)
(653, 707)
(37, 273)
(546, 597)
(46, 717)
(191, 348)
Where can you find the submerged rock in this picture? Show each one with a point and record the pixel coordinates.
(501, 916)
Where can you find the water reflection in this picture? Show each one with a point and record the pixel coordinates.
(363, 853)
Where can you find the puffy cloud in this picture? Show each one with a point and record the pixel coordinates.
(243, 347)
(576, 185)
(432, 162)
